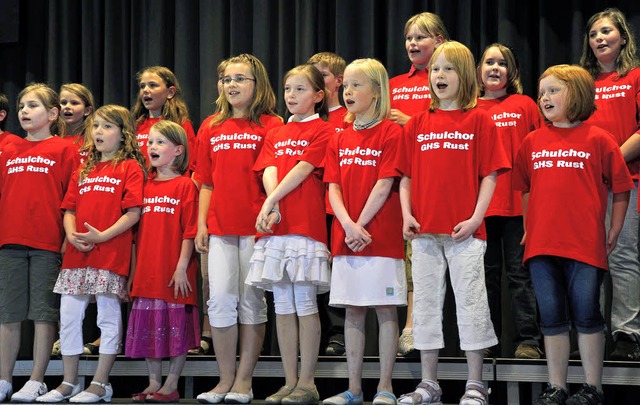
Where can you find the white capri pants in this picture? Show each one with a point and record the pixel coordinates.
(432, 254)
(291, 298)
(72, 309)
(230, 299)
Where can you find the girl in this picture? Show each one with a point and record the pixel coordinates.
(609, 54)
(230, 198)
(34, 175)
(367, 246)
(292, 260)
(164, 317)
(566, 245)
(101, 206)
(515, 116)
(160, 97)
(423, 33)
(76, 107)
(453, 152)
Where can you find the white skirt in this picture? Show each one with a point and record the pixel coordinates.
(293, 258)
(364, 281)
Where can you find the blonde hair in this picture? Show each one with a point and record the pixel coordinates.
(335, 63)
(463, 64)
(174, 108)
(264, 99)
(581, 91)
(50, 99)
(314, 77)
(514, 85)
(379, 80)
(122, 118)
(429, 23)
(627, 58)
(87, 98)
(177, 136)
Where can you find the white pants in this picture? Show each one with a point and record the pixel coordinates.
(72, 309)
(292, 298)
(230, 299)
(432, 254)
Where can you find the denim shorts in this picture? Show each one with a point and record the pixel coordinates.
(27, 277)
(567, 291)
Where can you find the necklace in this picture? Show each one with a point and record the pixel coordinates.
(357, 126)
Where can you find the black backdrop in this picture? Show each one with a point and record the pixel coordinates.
(103, 43)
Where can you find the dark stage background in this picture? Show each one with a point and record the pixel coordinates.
(103, 43)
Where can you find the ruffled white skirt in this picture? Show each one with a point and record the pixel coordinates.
(291, 258)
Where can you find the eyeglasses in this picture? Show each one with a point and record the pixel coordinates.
(238, 79)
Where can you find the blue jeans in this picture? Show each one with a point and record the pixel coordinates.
(504, 251)
(567, 290)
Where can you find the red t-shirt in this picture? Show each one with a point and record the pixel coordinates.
(169, 215)
(447, 153)
(303, 209)
(618, 102)
(337, 116)
(34, 177)
(567, 173)
(356, 160)
(410, 91)
(515, 116)
(78, 141)
(100, 201)
(142, 135)
(228, 152)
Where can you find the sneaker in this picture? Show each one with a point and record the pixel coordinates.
(586, 395)
(30, 391)
(405, 343)
(552, 396)
(6, 389)
(335, 348)
(626, 350)
(527, 351)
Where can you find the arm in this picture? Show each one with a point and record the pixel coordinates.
(525, 205)
(202, 237)
(356, 236)
(398, 116)
(464, 229)
(631, 148)
(125, 222)
(69, 223)
(618, 211)
(376, 200)
(410, 226)
(179, 280)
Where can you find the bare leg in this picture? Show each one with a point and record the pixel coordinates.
(354, 338)
(287, 328)
(558, 347)
(474, 363)
(387, 344)
(251, 339)
(70, 366)
(155, 375)
(429, 363)
(176, 364)
(10, 337)
(309, 347)
(225, 344)
(105, 363)
(592, 355)
(44, 336)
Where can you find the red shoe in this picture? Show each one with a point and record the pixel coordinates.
(138, 398)
(158, 398)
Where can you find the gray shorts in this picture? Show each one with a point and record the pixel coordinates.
(27, 277)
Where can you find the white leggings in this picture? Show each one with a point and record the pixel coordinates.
(291, 298)
(72, 309)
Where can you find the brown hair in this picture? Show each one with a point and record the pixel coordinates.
(174, 109)
(514, 85)
(316, 80)
(177, 136)
(50, 99)
(335, 63)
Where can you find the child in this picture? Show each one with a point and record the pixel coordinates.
(292, 260)
(423, 33)
(164, 316)
(332, 68)
(452, 157)
(160, 97)
(4, 112)
(515, 116)
(34, 175)
(609, 54)
(230, 198)
(101, 206)
(368, 266)
(76, 106)
(566, 245)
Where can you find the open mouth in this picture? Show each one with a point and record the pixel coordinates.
(349, 102)
(234, 93)
(154, 156)
(147, 99)
(441, 86)
(67, 114)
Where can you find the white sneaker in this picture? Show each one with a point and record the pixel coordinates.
(54, 396)
(6, 389)
(30, 391)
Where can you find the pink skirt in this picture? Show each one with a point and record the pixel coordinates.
(159, 329)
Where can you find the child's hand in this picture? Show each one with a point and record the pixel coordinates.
(267, 217)
(398, 116)
(201, 241)
(180, 284)
(524, 239)
(612, 239)
(92, 236)
(356, 237)
(410, 228)
(83, 247)
(464, 229)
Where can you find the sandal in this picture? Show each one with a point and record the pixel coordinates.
(302, 395)
(475, 394)
(426, 393)
(344, 398)
(384, 398)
